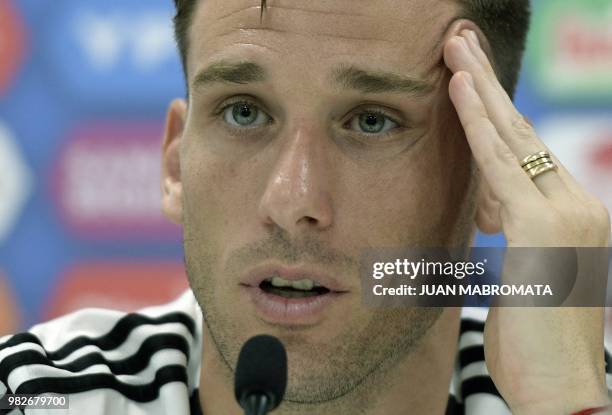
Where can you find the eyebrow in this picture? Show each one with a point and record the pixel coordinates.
(376, 82)
(230, 73)
(344, 76)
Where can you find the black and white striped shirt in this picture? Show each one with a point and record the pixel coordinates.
(112, 362)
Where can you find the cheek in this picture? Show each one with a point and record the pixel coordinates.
(219, 189)
(398, 203)
(415, 199)
(207, 184)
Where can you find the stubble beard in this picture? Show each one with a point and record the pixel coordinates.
(338, 376)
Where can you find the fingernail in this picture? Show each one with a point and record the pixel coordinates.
(474, 37)
(465, 45)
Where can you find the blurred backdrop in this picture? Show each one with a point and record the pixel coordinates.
(84, 86)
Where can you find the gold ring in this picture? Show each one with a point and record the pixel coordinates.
(542, 168)
(534, 157)
(533, 164)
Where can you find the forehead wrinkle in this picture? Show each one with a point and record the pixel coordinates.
(283, 19)
(246, 32)
(270, 7)
(338, 13)
(244, 43)
(309, 35)
(240, 10)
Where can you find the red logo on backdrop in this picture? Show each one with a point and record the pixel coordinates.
(583, 43)
(117, 286)
(107, 182)
(584, 146)
(602, 156)
(12, 43)
(600, 174)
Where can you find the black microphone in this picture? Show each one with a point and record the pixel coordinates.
(261, 375)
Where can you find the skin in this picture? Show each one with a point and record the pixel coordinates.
(308, 188)
(557, 353)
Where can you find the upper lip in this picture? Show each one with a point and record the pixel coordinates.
(255, 276)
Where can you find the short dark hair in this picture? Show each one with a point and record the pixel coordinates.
(505, 24)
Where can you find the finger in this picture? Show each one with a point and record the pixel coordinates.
(566, 176)
(500, 167)
(489, 73)
(569, 180)
(521, 136)
(463, 54)
(488, 213)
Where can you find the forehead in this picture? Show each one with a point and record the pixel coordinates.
(398, 34)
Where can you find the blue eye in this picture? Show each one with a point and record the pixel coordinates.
(244, 114)
(372, 123)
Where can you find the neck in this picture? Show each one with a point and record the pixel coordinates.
(418, 384)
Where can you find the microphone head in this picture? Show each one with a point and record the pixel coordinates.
(261, 369)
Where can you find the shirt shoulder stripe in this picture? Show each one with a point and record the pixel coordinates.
(470, 324)
(471, 354)
(128, 366)
(454, 407)
(76, 384)
(111, 340)
(478, 384)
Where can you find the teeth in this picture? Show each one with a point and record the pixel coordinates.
(279, 282)
(303, 284)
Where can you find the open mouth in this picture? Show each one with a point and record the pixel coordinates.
(293, 296)
(293, 289)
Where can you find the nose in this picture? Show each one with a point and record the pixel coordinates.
(297, 194)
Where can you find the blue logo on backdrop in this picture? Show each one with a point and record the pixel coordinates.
(117, 53)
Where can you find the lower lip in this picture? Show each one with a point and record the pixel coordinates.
(291, 311)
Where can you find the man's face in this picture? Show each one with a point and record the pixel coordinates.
(323, 131)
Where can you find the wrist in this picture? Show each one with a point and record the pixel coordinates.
(599, 404)
(596, 410)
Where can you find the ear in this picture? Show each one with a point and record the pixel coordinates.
(171, 185)
(488, 210)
